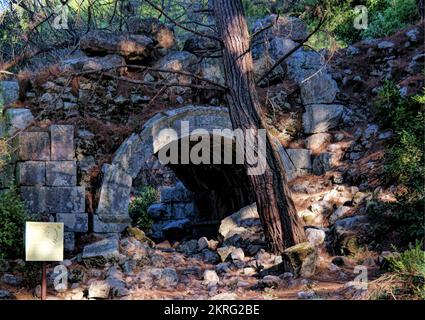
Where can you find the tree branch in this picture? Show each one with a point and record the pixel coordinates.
(180, 25)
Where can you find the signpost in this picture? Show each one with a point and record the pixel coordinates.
(43, 242)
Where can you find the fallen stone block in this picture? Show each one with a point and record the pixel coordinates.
(301, 259)
(62, 147)
(61, 173)
(74, 222)
(34, 146)
(99, 253)
(31, 173)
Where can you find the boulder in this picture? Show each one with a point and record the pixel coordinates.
(129, 46)
(199, 45)
(101, 252)
(318, 88)
(160, 33)
(321, 117)
(242, 227)
(301, 259)
(177, 61)
(347, 234)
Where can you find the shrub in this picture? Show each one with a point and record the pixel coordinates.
(139, 207)
(384, 18)
(388, 16)
(406, 277)
(12, 218)
(404, 163)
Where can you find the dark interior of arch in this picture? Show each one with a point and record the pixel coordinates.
(219, 189)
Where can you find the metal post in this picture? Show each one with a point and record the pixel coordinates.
(44, 282)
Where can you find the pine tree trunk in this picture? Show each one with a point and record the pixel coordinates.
(281, 224)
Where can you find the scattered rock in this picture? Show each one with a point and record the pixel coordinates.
(270, 281)
(315, 236)
(202, 243)
(301, 258)
(306, 295)
(11, 279)
(6, 295)
(99, 290)
(225, 296)
(237, 254)
(211, 278)
(188, 247)
(338, 213)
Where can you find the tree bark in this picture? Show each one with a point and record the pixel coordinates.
(277, 212)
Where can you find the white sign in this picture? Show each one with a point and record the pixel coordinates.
(43, 241)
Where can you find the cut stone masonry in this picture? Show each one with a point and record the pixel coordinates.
(46, 173)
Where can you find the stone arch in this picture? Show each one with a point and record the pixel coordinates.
(136, 154)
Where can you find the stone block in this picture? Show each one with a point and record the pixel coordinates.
(108, 227)
(31, 173)
(34, 146)
(128, 156)
(99, 253)
(34, 199)
(115, 194)
(18, 119)
(61, 173)
(69, 241)
(65, 199)
(62, 147)
(74, 222)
